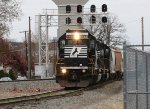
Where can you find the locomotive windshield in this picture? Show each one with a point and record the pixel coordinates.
(76, 42)
(76, 38)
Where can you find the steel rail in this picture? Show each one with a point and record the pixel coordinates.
(52, 94)
(99, 85)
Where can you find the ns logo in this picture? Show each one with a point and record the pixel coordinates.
(75, 52)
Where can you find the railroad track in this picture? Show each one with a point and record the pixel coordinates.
(98, 85)
(52, 94)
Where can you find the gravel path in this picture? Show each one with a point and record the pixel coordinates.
(107, 97)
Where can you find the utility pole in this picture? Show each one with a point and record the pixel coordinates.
(142, 33)
(25, 32)
(29, 50)
(108, 34)
(54, 54)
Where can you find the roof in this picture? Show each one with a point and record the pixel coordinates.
(63, 2)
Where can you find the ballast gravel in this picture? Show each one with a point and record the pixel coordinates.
(109, 96)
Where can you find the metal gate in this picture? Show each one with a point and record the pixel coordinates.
(136, 78)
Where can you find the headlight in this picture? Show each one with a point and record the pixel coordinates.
(83, 70)
(64, 71)
(76, 36)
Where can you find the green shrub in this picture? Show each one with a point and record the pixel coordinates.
(3, 74)
(6, 75)
(12, 74)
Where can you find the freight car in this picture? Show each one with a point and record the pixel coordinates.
(83, 60)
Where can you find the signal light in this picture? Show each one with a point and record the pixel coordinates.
(104, 8)
(68, 9)
(92, 19)
(79, 20)
(68, 20)
(79, 8)
(93, 8)
(104, 19)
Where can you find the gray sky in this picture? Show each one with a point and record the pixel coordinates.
(129, 13)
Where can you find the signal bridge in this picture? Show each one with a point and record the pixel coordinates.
(53, 15)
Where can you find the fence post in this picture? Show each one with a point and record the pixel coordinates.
(124, 76)
(136, 71)
(147, 97)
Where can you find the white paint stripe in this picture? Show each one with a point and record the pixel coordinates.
(76, 47)
(82, 56)
(78, 54)
(84, 52)
(74, 67)
(76, 57)
(66, 54)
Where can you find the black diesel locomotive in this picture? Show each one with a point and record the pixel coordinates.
(83, 60)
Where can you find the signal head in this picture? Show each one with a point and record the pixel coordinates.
(79, 20)
(104, 8)
(104, 19)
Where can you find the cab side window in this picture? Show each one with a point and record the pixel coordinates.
(92, 44)
(107, 53)
(101, 53)
(62, 44)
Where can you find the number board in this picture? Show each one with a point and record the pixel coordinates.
(81, 37)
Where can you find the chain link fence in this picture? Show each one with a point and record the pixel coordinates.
(136, 78)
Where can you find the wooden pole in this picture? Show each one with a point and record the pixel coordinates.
(29, 50)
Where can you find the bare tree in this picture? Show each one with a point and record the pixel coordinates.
(9, 11)
(9, 56)
(3, 29)
(112, 32)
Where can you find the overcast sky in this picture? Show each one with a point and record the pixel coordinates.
(129, 13)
